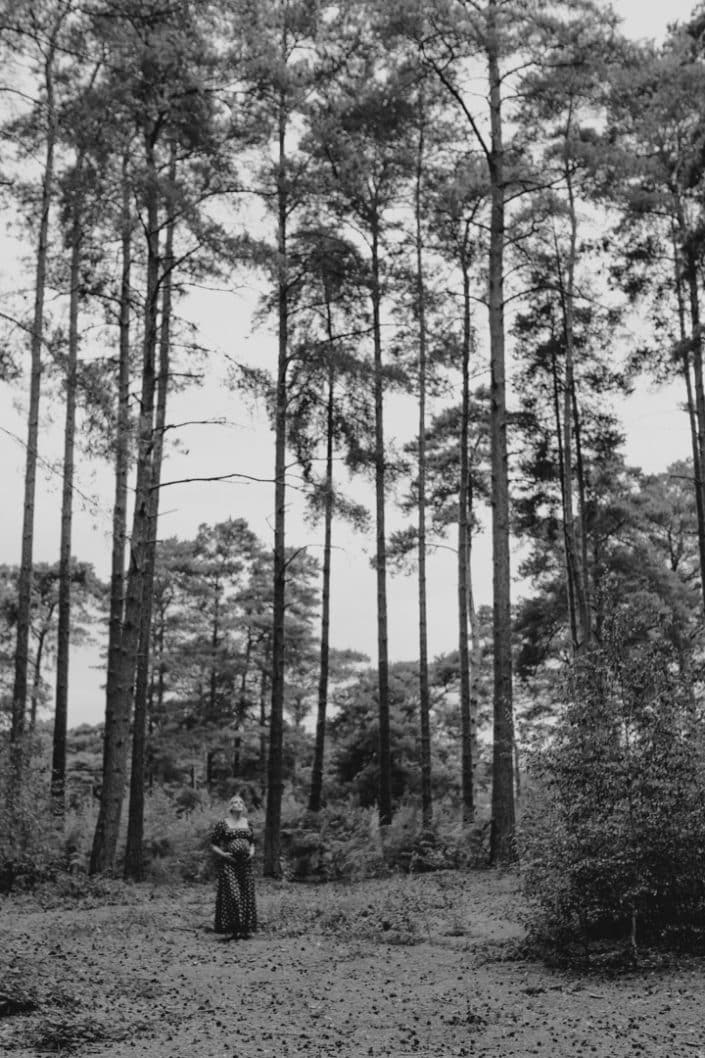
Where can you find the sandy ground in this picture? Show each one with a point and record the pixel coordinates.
(425, 966)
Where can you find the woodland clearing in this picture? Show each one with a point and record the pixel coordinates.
(427, 965)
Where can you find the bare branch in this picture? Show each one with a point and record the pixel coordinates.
(222, 477)
(215, 477)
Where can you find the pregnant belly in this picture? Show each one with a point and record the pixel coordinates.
(240, 850)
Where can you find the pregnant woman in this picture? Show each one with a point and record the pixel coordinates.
(233, 842)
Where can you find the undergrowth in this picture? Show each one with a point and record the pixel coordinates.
(343, 841)
(613, 836)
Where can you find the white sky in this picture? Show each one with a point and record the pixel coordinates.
(656, 436)
(650, 18)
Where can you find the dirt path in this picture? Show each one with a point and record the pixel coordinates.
(415, 966)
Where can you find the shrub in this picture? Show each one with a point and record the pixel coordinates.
(612, 841)
(337, 842)
(177, 842)
(346, 842)
(36, 847)
(30, 847)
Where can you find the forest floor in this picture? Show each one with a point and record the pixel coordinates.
(426, 965)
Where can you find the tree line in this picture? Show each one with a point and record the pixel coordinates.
(418, 188)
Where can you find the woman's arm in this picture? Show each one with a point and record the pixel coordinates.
(218, 836)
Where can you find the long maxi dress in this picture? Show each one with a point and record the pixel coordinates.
(235, 908)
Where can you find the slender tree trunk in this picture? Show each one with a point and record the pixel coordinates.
(581, 477)
(569, 396)
(134, 852)
(694, 298)
(475, 638)
(697, 471)
(275, 777)
(58, 766)
(161, 673)
(693, 419)
(599, 598)
(464, 531)
(242, 706)
(24, 587)
(424, 690)
(215, 637)
(264, 689)
(314, 803)
(37, 675)
(503, 817)
(503, 812)
(567, 536)
(117, 726)
(122, 459)
(385, 750)
(690, 275)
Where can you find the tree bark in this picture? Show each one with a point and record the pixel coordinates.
(37, 673)
(568, 549)
(580, 619)
(212, 711)
(242, 703)
(694, 301)
(464, 530)
(503, 814)
(475, 644)
(314, 803)
(385, 751)
(275, 778)
(263, 765)
(424, 690)
(158, 684)
(134, 852)
(24, 587)
(58, 766)
(122, 459)
(117, 724)
(681, 233)
(693, 420)
(583, 513)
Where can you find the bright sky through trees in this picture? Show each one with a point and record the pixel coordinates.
(234, 440)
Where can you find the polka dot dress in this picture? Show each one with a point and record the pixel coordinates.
(235, 908)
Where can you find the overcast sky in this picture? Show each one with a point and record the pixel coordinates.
(656, 436)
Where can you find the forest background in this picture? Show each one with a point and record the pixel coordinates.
(655, 435)
(391, 208)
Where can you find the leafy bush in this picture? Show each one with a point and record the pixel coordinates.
(29, 845)
(36, 847)
(347, 842)
(613, 840)
(177, 842)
